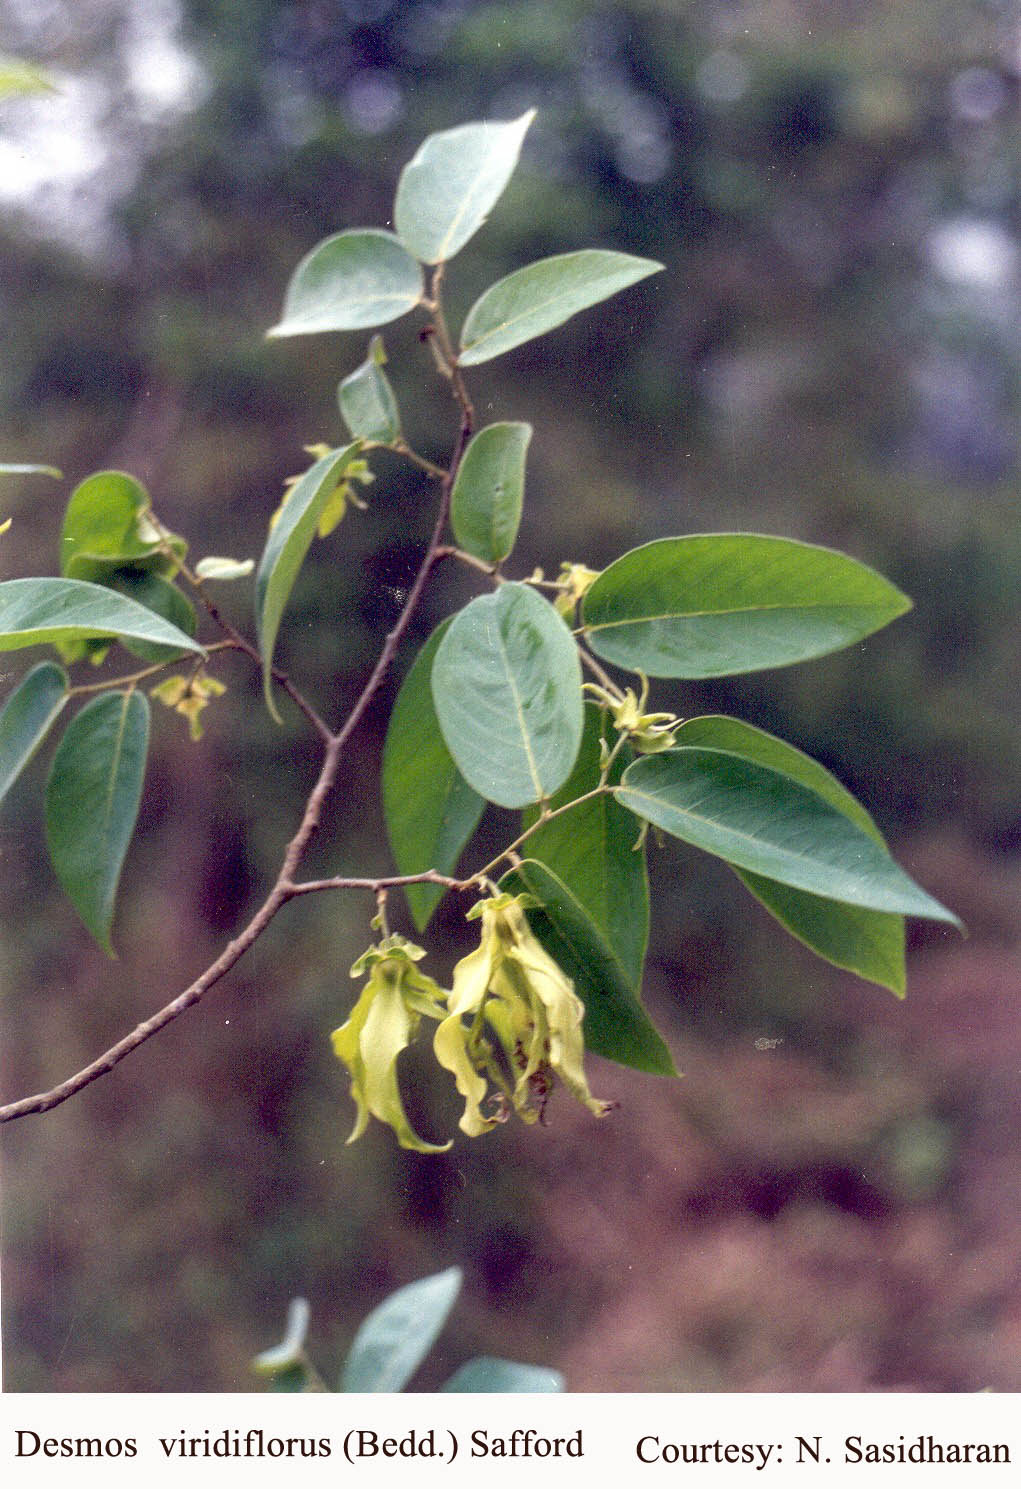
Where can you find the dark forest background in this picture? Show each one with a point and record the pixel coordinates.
(829, 1200)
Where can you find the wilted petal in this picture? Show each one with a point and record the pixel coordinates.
(450, 1043)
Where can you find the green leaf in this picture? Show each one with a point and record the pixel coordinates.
(506, 685)
(447, 190)
(359, 278)
(718, 603)
(485, 505)
(366, 399)
(27, 717)
(867, 942)
(592, 849)
(486, 1373)
(760, 820)
(162, 597)
(106, 527)
(288, 542)
(543, 295)
(395, 1338)
(31, 470)
(430, 809)
(92, 802)
(616, 1025)
(289, 1353)
(38, 611)
(224, 568)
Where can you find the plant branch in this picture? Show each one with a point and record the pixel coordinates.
(284, 888)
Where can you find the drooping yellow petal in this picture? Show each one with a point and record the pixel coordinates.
(450, 1044)
(389, 1028)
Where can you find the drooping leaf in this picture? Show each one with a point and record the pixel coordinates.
(159, 595)
(106, 527)
(366, 399)
(485, 504)
(359, 278)
(92, 799)
(430, 809)
(506, 686)
(38, 611)
(286, 547)
(719, 603)
(395, 1338)
(616, 1025)
(26, 718)
(543, 295)
(867, 942)
(447, 190)
(486, 1373)
(592, 849)
(757, 819)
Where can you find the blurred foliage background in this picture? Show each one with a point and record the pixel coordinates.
(830, 1199)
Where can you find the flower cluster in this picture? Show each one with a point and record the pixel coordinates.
(509, 1027)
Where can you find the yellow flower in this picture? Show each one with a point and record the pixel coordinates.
(383, 1022)
(511, 986)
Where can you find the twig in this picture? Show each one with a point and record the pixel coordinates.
(284, 887)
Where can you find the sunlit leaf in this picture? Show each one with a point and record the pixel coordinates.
(356, 279)
(37, 611)
(448, 188)
(506, 685)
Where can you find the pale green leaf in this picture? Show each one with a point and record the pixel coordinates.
(719, 603)
(26, 718)
(37, 611)
(867, 942)
(356, 279)
(769, 824)
(447, 190)
(430, 809)
(543, 295)
(395, 1338)
(367, 401)
(488, 1374)
(288, 542)
(92, 800)
(485, 505)
(506, 685)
